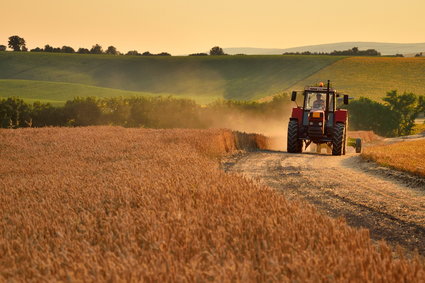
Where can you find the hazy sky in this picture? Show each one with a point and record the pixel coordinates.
(187, 26)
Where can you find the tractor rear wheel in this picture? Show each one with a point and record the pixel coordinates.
(294, 145)
(338, 139)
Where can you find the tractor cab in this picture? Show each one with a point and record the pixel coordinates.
(319, 107)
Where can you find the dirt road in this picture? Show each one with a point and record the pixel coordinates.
(392, 208)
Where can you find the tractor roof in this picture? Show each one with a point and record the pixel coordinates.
(318, 89)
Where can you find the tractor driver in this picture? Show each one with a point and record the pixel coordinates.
(319, 103)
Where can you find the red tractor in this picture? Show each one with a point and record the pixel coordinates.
(319, 121)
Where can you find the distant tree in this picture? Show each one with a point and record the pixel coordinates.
(44, 114)
(419, 55)
(112, 51)
(14, 113)
(163, 54)
(37, 49)
(48, 48)
(198, 54)
(399, 55)
(2, 47)
(67, 49)
(16, 43)
(147, 53)
(366, 114)
(217, 51)
(133, 53)
(407, 106)
(83, 51)
(96, 49)
(83, 111)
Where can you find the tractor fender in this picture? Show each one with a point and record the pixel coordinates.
(297, 114)
(341, 116)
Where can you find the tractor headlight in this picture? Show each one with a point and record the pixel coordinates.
(311, 123)
(320, 123)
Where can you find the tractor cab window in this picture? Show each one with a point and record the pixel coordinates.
(317, 101)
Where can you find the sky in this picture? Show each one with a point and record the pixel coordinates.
(189, 26)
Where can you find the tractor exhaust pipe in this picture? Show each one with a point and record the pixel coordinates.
(327, 99)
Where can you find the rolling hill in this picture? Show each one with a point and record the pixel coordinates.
(202, 78)
(384, 48)
(373, 77)
(58, 92)
(56, 78)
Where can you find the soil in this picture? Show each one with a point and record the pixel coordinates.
(389, 203)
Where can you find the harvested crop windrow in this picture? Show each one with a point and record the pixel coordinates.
(108, 203)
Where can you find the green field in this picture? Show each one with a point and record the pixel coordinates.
(373, 77)
(57, 92)
(58, 77)
(202, 78)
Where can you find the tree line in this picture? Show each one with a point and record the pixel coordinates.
(349, 52)
(395, 117)
(148, 112)
(18, 44)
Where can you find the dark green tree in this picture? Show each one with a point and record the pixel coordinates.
(83, 51)
(37, 49)
(198, 54)
(407, 106)
(67, 49)
(163, 54)
(14, 113)
(96, 49)
(48, 48)
(16, 43)
(44, 114)
(2, 47)
(366, 114)
(82, 111)
(112, 51)
(217, 51)
(133, 53)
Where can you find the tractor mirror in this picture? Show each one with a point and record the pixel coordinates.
(294, 96)
(345, 98)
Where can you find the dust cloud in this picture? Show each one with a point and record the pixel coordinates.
(271, 125)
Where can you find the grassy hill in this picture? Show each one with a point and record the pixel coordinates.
(372, 76)
(57, 92)
(202, 78)
(59, 77)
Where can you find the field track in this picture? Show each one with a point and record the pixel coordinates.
(346, 187)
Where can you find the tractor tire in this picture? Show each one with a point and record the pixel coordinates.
(344, 145)
(358, 145)
(338, 139)
(294, 145)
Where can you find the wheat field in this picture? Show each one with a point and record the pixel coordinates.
(115, 204)
(407, 156)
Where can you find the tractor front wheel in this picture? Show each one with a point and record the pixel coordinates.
(294, 145)
(338, 139)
